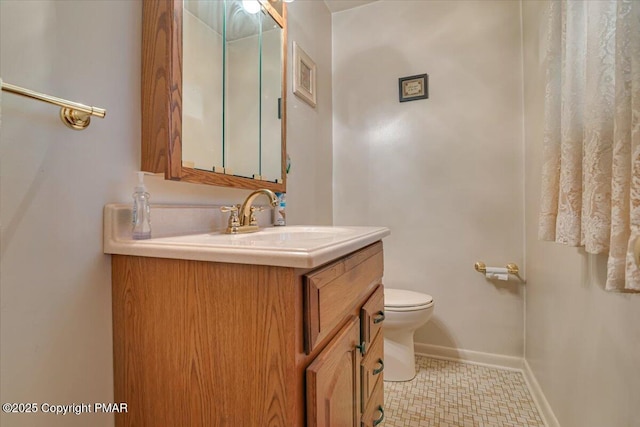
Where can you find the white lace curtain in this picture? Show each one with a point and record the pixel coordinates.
(591, 170)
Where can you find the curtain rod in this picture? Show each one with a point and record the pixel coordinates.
(74, 115)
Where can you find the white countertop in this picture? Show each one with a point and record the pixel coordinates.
(181, 236)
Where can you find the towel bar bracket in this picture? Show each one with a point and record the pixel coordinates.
(74, 119)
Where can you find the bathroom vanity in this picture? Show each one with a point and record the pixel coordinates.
(278, 328)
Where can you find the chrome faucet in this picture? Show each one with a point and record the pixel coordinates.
(242, 219)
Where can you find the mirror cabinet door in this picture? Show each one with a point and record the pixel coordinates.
(202, 84)
(272, 106)
(213, 96)
(242, 87)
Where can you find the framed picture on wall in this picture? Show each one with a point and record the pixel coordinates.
(413, 87)
(304, 76)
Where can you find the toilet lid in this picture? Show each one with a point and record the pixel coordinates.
(404, 298)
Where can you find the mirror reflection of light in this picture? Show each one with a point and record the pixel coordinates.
(251, 6)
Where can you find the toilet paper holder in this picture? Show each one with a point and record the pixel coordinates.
(512, 268)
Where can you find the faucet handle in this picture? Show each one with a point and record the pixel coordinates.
(234, 219)
(252, 217)
(233, 208)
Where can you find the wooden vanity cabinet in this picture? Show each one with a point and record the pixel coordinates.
(343, 373)
(216, 344)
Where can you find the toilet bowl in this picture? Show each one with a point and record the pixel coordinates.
(405, 311)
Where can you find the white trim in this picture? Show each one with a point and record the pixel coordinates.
(469, 356)
(540, 400)
(524, 270)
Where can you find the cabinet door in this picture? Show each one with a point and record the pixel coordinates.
(333, 381)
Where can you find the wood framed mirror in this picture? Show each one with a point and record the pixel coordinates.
(215, 122)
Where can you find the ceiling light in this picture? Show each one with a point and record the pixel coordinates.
(251, 6)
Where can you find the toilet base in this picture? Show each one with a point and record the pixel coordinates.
(399, 357)
(400, 324)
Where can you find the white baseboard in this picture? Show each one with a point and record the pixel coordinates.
(470, 356)
(496, 361)
(544, 408)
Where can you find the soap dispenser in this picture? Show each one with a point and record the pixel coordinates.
(141, 221)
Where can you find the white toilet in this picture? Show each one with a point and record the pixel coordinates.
(405, 311)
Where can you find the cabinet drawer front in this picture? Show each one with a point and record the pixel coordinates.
(337, 289)
(374, 414)
(372, 368)
(372, 315)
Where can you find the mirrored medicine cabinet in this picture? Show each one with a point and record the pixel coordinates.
(213, 92)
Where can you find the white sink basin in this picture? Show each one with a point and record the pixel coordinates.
(296, 233)
(288, 246)
(276, 238)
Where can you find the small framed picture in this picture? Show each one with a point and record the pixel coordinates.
(413, 87)
(304, 76)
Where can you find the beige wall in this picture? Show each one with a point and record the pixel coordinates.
(582, 343)
(445, 174)
(309, 142)
(55, 281)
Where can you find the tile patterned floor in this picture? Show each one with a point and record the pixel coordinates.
(454, 394)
